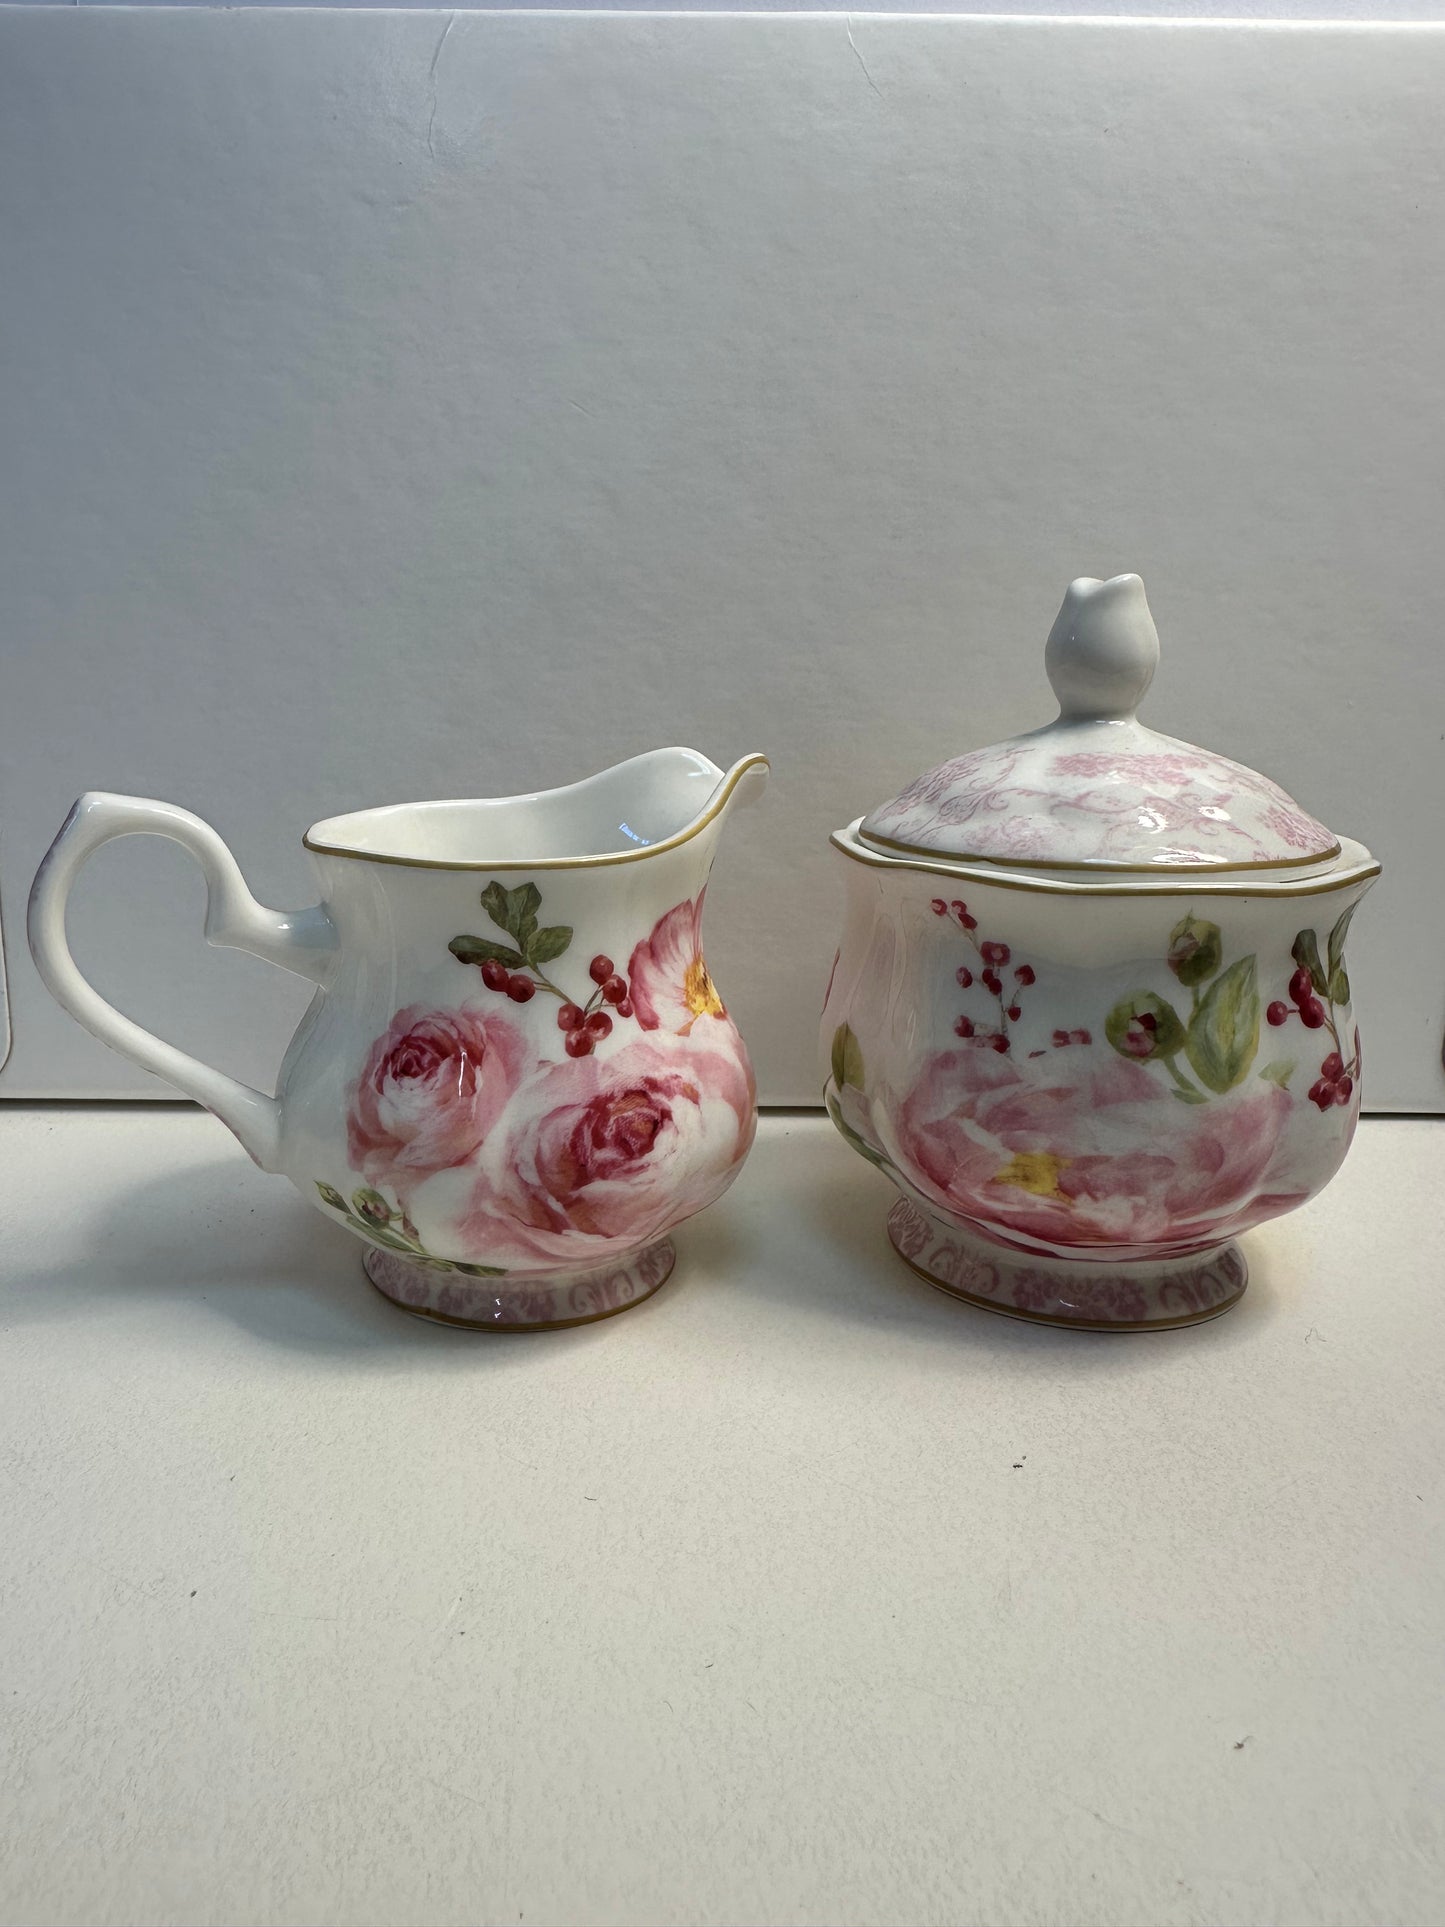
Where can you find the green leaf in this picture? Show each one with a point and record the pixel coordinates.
(526, 901)
(549, 943)
(1336, 950)
(1188, 1096)
(514, 911)
(859, 1144)
(1224, 1031)
(480, 950)
(1196, 950)
(330, 1195)
(847, 1059)
(1280, 1071)
(1306, 952)
(496, 903)
(1339, 985)
(1137, 1041)
(480, 1271)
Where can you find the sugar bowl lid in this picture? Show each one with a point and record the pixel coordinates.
(1095, 789)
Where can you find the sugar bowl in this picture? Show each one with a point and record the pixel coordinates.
(1090, 1011)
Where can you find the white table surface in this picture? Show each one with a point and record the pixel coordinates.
(801, 1593)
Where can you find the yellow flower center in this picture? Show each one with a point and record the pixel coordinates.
(700, 992)
(1035, 1171)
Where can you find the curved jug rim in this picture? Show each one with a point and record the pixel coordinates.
(718, 799)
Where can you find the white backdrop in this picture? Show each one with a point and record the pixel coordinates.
(405, 404)
(1153, 9)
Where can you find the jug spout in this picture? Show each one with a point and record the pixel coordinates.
(733, 789)
(668, 797)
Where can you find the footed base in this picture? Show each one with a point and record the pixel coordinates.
(519, 1304)
(1136, 1295)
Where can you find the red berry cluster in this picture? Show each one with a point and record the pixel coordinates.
(586, 1025)
(995, 958)
(1302, 994)
(960, 911)
(1334, 1085)
(512, 983)
(1336, 1081)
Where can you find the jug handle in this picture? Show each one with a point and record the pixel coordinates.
(304, 942)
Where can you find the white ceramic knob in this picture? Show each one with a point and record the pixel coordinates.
(1102, 650)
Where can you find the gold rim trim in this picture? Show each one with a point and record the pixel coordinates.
(519, 1331)
(1116, 869)
(1072, 1324)
(720, 798)
(1172, 885)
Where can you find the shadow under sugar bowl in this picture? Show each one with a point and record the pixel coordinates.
(1090, 1011)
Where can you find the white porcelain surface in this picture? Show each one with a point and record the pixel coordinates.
(1098, 1072)
(1096, 789)
(516, 1067)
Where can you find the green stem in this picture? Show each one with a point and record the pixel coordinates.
(1352, 1063)
(1327, 1004)
(382, 1234)
(1181, 1082)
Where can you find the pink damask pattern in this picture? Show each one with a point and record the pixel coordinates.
(1292, 827)
(1166, 803)
(1178, 767)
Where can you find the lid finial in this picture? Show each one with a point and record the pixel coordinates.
(1102, 650)
(1099, 790)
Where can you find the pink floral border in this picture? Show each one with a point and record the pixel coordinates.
(1068, 1294)
(502, 1306)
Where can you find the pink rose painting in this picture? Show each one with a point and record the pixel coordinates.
(601, 1155)
(431, 1089)
(510, 1142)
(670, 985)
(1107, 1158)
